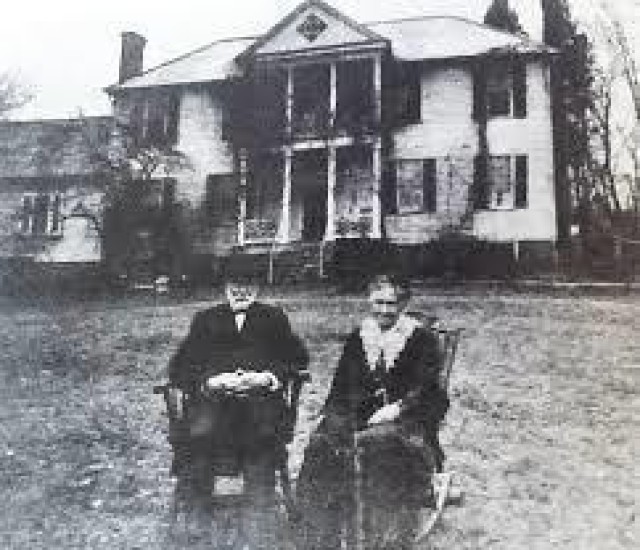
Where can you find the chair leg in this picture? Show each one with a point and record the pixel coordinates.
(293, 513)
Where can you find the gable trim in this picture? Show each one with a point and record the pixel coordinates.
(323, 6)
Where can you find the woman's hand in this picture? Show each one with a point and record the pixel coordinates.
(388, 413)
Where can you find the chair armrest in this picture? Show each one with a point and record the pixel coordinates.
(174, 399)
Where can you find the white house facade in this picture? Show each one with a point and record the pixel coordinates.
(325, 129)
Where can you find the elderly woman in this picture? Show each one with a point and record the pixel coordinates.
(385, 401)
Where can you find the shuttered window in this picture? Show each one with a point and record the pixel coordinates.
(416, 186)
(41, 214)
(221, 198)
(519, 78)
(522, 182)
(502, 184)
(429, 185)
(500, 89)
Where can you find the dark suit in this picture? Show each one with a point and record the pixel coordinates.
(214, 345)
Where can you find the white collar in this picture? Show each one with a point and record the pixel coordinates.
(391, 341)
(240, 317)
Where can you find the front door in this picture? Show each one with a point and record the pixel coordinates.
(314, 215)
(310, 180)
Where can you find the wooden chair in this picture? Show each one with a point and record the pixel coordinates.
(448, 339)
(177, 403)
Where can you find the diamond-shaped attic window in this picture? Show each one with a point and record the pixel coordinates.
(311, 27)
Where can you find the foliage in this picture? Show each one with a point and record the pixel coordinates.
(141, 220)
(618, 88)
(572, 97)
(501, 16)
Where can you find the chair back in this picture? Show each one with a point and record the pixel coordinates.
(448, 340)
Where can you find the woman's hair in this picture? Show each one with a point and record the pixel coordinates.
(400, 285)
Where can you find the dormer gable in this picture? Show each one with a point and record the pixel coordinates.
(312, 27)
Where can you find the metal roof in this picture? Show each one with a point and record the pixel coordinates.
(215, 61)
(415, 39)
(446, 37)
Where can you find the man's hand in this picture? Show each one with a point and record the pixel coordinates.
(388, 413)
(242, 381)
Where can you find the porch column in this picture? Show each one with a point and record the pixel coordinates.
(333, 94)
(289, 100)
(50, 207)
(285, 218)
(377, 87)
(330, 232)
(376, 230)
(242, 197)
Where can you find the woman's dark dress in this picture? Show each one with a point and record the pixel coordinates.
(397, 456)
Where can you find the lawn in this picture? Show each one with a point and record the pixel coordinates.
(543, 430)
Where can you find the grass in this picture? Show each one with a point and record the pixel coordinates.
(542, 431)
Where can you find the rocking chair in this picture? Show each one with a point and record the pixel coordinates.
(355, 531)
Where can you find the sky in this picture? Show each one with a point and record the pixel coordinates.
(67, 50)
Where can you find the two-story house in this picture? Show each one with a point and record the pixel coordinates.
(325, 129)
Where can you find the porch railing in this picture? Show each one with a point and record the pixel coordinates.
(258, 230)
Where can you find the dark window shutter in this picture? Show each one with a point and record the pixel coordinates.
(27, 212)
(429, 185)
(41, 214)
(480, 183)
(136, 122)
(522, 191)
(389, 189)
(520, 90)
(479, 94)
(173, 119)
(55, 219)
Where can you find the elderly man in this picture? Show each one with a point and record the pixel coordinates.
(239, 345)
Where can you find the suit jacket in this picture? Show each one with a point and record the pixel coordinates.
(214, 345)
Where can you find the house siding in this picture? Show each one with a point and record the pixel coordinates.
(532, 136)
(200, 139)
(448, 133)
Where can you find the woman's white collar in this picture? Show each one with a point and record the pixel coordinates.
(390, 342)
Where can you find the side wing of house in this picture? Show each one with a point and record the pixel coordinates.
(50, 201)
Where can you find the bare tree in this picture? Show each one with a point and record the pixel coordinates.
(623, 72)
(13, 94)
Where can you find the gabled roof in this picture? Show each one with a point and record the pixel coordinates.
(215, 61)
(365, 33)
(448, 37)
(412, 39)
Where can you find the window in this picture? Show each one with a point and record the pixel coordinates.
(506, 183)
(416, 186)
(407, 94)
(221, 198)
(501, 90)
(154, 119)
(498, 92)
(499, 176)
(41, 214)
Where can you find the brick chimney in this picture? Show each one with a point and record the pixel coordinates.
(131, 55)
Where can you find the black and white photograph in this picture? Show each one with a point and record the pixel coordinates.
(320, 275)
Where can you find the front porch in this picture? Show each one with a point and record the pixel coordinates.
(310, 195)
